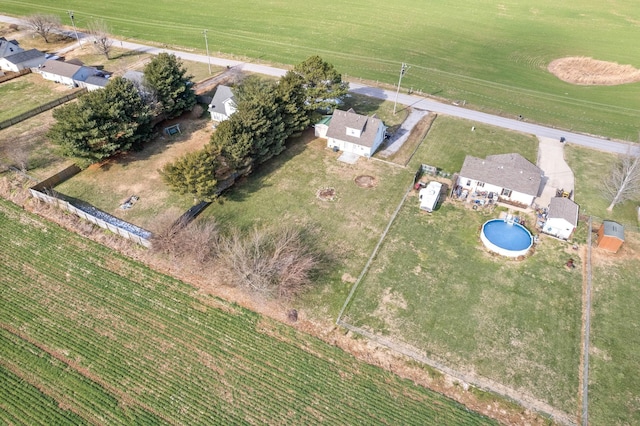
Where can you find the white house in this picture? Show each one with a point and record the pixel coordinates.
(355, 133)
(21, 60)
(65, 73)
(94, 82)
(511, 177)
(562, 218)
(222, 105)
(9, 47)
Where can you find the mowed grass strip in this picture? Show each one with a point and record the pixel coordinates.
(451, 139)
(434, 287)
(133, 338)
(492, 56)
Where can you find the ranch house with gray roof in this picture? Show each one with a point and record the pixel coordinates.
(511, 177)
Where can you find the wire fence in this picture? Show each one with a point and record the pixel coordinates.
(42, 108)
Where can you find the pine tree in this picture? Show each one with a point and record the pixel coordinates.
(322, 83)
(193, 173)
(102, 123)
(166, 75)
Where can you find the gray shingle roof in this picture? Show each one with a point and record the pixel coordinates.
(136, 77)
(223, 93)
(341, 120)
(563, 208)
(613, 229)
(511, 171)
(60, 68)
(27, 55)
(96, 80)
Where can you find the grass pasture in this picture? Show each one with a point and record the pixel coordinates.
(90, 337)
(492, 55)
(614, 378)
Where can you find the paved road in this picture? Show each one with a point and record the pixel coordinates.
(602, 144)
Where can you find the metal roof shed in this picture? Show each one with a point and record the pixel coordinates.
(610, 236)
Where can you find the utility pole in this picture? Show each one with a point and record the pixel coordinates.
(74, 27)
(403, 69)
(206, 43)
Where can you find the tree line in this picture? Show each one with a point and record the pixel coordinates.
(268, 113)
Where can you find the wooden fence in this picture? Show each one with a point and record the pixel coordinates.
(42, 108)
(43, 191)
(13, 75)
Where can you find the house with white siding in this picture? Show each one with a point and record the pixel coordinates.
(16, 62)
(562, 218)
(355, 133)
(65, 73)
(223, 104)
(510, 177)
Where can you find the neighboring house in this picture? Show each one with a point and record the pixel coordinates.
(95, 82)
(26, 59)
(355, 133)
(511, 176)
(562, 218)
(66, 73)
(610, 236)
(321, 127)
(223, 104)
(9, 47)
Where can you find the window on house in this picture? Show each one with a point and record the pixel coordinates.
(481, 184)
(506, 192)
(468, 182)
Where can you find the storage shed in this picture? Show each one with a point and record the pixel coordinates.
(610, 236)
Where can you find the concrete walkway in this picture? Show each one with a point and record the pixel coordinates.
(401, 135)
(557, 173)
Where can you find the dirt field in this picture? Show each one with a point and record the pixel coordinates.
(592, 72)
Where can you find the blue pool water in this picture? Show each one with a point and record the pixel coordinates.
(508, 239)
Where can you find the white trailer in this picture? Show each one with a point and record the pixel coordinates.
(429, 196)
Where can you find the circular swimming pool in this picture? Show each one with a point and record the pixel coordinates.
(506, 238)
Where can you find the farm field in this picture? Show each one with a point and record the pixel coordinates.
(88, 336)
(492, 55)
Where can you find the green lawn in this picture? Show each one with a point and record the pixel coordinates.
(90, 337)
(491, 55)
(614, 378)
(434, 287)
(451, 139)
(590, 168)
(27, 92)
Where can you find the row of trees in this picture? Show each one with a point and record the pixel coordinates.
(119, 118)
(268, 113)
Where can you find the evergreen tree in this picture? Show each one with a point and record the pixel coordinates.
(193, 173)
(292, 98)
(166, 75)
(322, 83)
(102, 123)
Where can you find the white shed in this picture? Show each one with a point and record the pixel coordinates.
(562, 218)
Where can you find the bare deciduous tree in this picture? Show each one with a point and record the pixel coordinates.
(275, 262)
(624, 181)
(43, 24)
(100, 35)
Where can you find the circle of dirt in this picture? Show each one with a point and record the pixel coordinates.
(585, 71)
(365, 181)
(326, 194)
